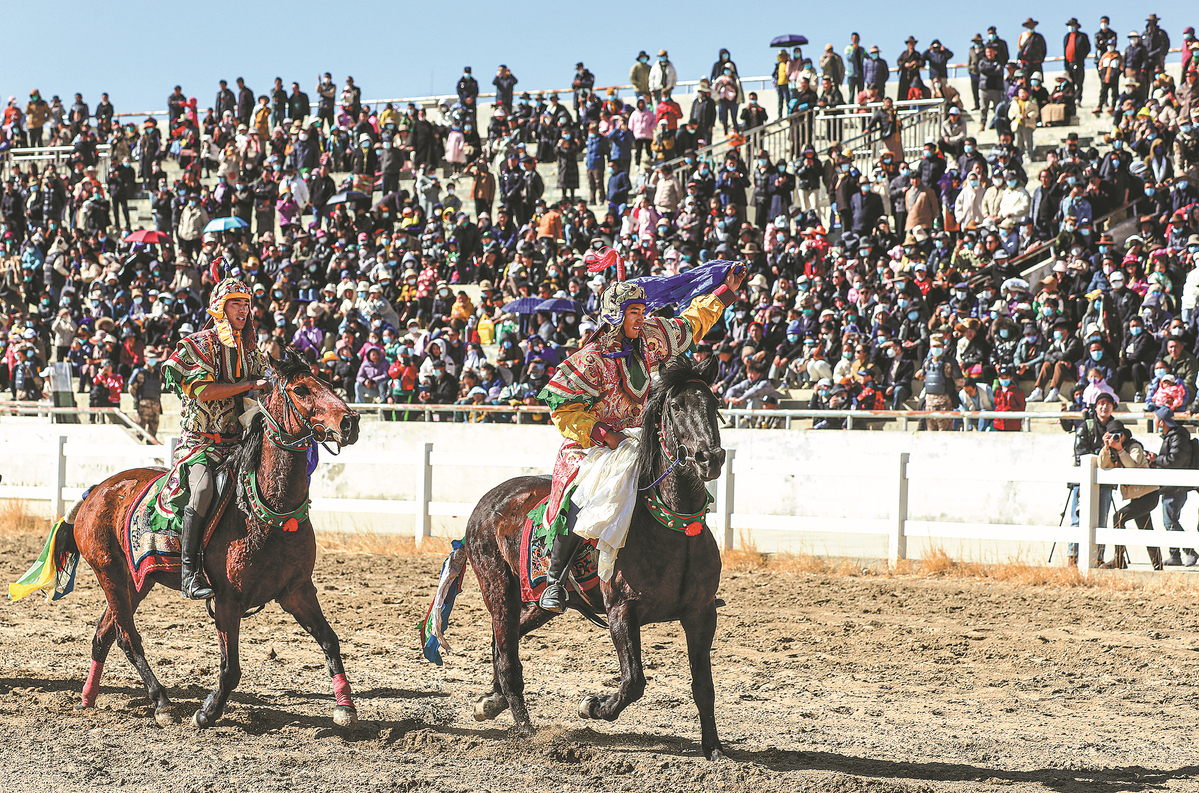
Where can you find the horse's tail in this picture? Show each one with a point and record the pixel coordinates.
(54, 570)
(437, 618)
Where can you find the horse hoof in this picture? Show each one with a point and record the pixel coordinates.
(715, 754)
(587, 707)
(166, 716)
(488, 707)
(345, 716)
(200, 720)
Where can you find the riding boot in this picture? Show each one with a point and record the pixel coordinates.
(554, 597)
(194, 584)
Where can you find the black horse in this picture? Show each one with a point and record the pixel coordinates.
(661, 574)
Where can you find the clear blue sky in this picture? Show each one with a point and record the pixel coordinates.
(138, 50)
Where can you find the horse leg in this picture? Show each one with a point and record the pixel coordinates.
(700, 628)
(228, 628)
(116, 624)
(626, 637)
(491, 705)
(302, 604)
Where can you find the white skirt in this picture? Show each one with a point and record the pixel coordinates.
(605, 495)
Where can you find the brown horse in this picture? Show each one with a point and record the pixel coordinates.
(660, 575)
(249, 561)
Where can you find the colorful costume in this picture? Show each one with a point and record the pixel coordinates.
(210, 428)
(603, 387)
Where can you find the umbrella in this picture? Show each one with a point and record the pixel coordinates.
(525, 305)
(559, 306)
(150, 237)
(349, 195)
(791, 39)
(225, 224)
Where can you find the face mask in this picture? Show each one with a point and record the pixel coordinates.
(847, 355)
(1150, 191)
(913, 315)
(1058, 335)
(844, 168)
(1003, 334)
(905, 172)
(1005, 381)
(1012, 183)
(1117, 144)
(937, 351)
(1184, 128)
(1096, 355)
(1159, 373)
(1182, 184)
(927, 154)
(792, 337)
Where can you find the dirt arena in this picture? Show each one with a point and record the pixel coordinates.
(824, 683)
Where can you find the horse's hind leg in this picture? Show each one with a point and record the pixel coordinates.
(501, 593)
(116, 623)
(302, 604)
(701, 628)
(491, 705)
(228, 626)
(626, 637)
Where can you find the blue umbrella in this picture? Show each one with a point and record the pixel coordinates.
(524, 305)
(225, 224)
(791, 39)
(558, 305)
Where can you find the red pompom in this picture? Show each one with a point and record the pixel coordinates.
(598, 261)
(693, 529)
(291, 525)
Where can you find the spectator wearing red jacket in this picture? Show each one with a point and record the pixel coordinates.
(1008, 399)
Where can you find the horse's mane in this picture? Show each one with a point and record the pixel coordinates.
(677, 373)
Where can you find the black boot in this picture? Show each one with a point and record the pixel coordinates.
(195, 585)
(554, 597)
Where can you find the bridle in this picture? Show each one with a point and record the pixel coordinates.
(292, 413)
(682, 455)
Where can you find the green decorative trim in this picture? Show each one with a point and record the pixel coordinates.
(676, 520)
(264, 513)
(555, 400)
(276, 435)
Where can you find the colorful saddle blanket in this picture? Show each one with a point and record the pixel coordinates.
(151, 538)
(535, 562)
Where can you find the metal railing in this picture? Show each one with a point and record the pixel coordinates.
(117, 416)
(55, 155)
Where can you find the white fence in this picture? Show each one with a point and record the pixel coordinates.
(884, 479)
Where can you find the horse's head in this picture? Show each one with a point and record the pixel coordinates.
(682, 420)
(302, 405)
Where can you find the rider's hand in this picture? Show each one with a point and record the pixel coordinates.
(259, 384)
(614, 439)
(735, 277)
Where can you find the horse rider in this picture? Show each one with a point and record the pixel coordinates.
(211, 370)
(601, 390)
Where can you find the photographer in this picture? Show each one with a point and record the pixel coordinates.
(1177, 451)
(1121, 450)
(1088, 439)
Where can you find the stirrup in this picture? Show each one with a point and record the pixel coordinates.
(554, 597)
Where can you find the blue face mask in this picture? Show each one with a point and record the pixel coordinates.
(1005, 381)
(1182, 184)
(792, 337)
(1096, 355)
(968, 148)
(1150, 191)
(1012, 183)
(913, 315)
(1004, 333)
(1136, 330)
(1159, 373)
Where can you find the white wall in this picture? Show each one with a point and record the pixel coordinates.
(844, 475)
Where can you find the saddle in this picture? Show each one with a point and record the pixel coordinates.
(150, 537)
(535, 562)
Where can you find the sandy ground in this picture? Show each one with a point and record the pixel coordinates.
(824, 683)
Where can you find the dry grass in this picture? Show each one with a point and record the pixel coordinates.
(382, 544)
(939, 564)
(16, 517)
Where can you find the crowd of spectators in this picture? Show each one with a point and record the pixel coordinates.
(906, 288)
